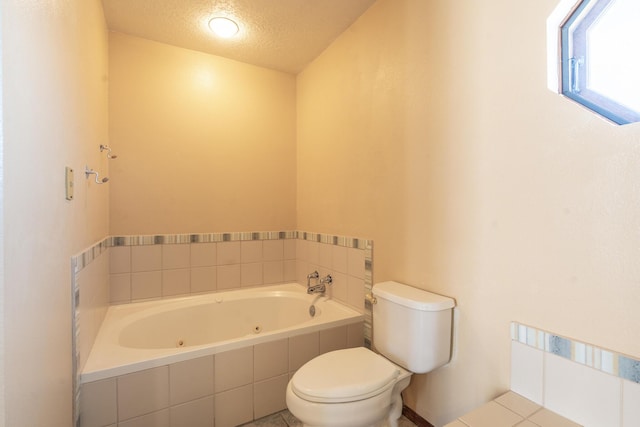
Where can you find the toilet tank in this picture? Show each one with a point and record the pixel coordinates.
(412, 327)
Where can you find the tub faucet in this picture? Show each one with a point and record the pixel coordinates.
(321, 284)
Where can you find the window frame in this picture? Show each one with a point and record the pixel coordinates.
(574, 63)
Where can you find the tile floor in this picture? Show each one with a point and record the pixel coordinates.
(511, 409)
(286, 419)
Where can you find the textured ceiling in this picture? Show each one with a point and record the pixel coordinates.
(283, 35)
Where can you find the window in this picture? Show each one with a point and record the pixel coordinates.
(599, 57)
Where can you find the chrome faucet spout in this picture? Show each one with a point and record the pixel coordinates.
(320, 288)
(321, 284)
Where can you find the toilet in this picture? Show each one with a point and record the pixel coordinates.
(358, 387)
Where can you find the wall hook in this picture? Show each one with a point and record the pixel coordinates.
(109, 155)
(89, 172)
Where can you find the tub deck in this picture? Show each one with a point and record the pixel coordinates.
(125, 344)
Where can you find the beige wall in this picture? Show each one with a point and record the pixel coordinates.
(2, 287)
(54, 94)
(204, 144)
(440, 141)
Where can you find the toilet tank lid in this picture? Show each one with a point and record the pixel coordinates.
(411, 297)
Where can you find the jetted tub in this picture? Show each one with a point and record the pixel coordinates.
(144, 335)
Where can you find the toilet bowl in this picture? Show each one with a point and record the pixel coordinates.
(346, 388)
(358, 387)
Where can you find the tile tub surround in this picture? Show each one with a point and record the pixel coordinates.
(157, 266)
(147, 267)
(226, 389)
(511, 410)
(590, 385)
(90, 276)
(150, 267)
(349, 261)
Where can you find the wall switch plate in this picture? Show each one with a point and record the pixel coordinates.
(68, 179)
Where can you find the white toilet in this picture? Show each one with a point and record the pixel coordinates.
(359, 388)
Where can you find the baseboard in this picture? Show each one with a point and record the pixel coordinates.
(412, 416)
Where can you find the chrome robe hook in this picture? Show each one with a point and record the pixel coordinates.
(109, 155)
(88, 172)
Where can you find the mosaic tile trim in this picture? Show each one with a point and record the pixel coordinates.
(368, 287)
(85, 257)
(169, 239)
(75, 374)
(349, 242)
(604, 360)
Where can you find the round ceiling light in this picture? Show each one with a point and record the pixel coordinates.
(223, 27)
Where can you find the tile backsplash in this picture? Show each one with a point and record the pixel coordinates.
(166, 270)
(591, 385)
(148, 267)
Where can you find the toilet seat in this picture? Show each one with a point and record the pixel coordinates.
(344, 376)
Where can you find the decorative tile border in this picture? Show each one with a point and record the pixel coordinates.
(84, 258)
(169, 239)
(604, 360)
(349, 242)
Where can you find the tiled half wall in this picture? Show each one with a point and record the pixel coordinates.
(225, 389)
(124, 269)
(590, 385)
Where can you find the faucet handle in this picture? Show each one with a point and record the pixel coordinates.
(313, 276)
(328, 280)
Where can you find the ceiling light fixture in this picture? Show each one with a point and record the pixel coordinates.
(223, 27)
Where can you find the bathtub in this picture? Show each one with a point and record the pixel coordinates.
(138, 336)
